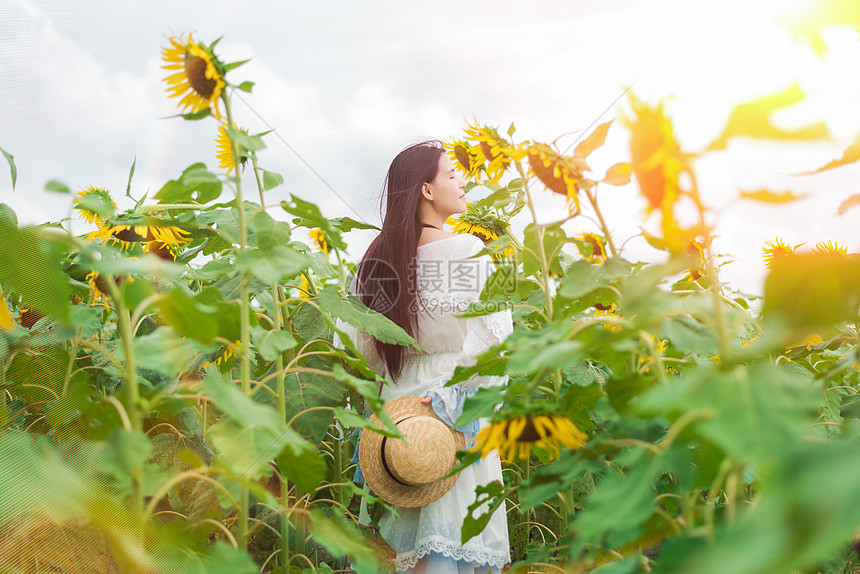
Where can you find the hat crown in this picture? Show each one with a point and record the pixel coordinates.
(426, 455)
(409, 472)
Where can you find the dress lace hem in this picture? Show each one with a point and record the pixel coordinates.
(450, 549)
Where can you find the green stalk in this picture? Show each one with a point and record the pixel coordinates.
(282, 393)
(244, 330)
(337, 473)
(341, 267)
(124, 323)
(544, 266)
(539, 236)
(593, 199)
(527, 471)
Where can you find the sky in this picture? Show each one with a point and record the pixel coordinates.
(347, 85)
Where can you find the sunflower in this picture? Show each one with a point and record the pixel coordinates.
(560, 174)
(515, 438)
(318, 237)
(465, 158)
(776, 249)
(128, 232)
(660, 344)
(6, 323)
(656, 156)
(808, 342)
(830, 247)
(482, 224)
(200, 76)
(696, 247)
(606, 311)
(493, 150)
(224, 153)
(161, 250)
(223, 356)
(27, 317)
(91, 201)
(598, 247)
(99, 292)
(304, 287)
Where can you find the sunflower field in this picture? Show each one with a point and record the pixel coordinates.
(172, 400)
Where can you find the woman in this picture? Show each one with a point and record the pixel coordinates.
(419, 276)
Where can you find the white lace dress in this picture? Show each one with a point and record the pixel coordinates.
(448, 282)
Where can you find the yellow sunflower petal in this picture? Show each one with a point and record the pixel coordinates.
(199, 81)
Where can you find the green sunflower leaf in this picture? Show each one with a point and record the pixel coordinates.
(271, 344)
(219, 558)
(130, 449)
(57, 186)
(812, 290)
(253, 434)
(11, 159)
(306, 467)
(205, 112)
(340, 537)
(130, 176)
(196, 179)
(309, 215)
(554, 238)
(482, 404)
(348, 224)
(234, 65)
(354, 312)
(370, 393)
(753, 413)
(98, 203)
(35, 271)
(38, 377)
(493, 494)
(189, 317)
(312, 390)
(272, 265)
(266, 232)
(688, 335)
(7, 216)
(248, 142)
(246, 86)
(271, 180)
(163, 351)
(352, 419)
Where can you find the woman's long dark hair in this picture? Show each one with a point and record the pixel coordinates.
(386, 275)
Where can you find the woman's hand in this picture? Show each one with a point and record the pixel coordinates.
(426, 400)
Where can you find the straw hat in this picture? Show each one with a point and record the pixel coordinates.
(408, 473)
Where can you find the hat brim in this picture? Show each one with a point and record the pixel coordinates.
(370, 459)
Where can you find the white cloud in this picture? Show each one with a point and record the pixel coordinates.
(346, 91)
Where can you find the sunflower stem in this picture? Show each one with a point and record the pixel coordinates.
(539, 236)
(259, 182)
(593, 200)
(539, 233)
(715, 287)
(277, 312)
(527, 472)
(338, 479)
(340, 266)
(124, 322)
(244, 327)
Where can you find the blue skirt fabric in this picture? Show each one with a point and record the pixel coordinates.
(439, 564)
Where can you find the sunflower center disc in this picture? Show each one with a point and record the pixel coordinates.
(195, 71)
